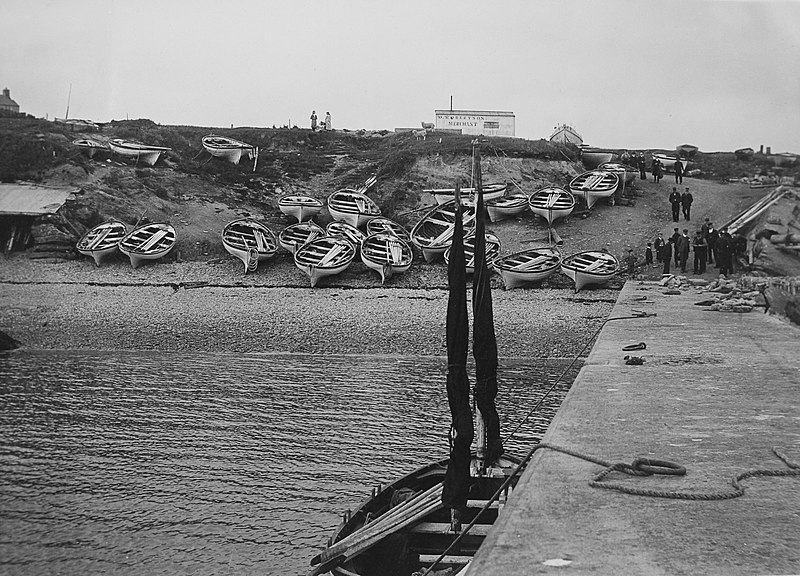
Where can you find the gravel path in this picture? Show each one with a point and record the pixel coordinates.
(196, 306)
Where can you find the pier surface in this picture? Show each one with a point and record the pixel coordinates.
(716, 392)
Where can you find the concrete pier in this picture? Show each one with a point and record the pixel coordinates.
(715, 393)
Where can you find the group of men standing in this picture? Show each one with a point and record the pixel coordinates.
(708, 245)
(681, 203)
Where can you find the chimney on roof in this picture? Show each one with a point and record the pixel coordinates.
(6, 92)
(769, 149)
(761, 149)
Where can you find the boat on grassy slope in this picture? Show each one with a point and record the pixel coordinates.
(324, 256)
(381, 224)
(89, 147)
(347, 231)
(492, 250)
(507, 206)
(352, 207)
(141, 152)
(490, 192)
(532, 265)
(102, 240)
(228, 149)
(295, 235)
(250, 241)
(593, 157)
(433, 233)
(566, 134)
(590, 268)
(552, 203)
(300, 207)
(148, 242)
(593, 185)
(387, 254)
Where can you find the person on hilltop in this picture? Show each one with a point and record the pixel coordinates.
(678, 172)
(675, 202)
(313, 120)
(666, 255)
(686, 203)
(700, 248)
(658, 244)
(328, 125)
(682, 248)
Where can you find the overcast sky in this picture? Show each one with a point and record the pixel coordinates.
(720, 75)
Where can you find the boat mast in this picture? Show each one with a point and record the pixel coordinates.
(66, 116)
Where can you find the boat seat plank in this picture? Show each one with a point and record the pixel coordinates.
(154, 239)
(449, 559)
(531, 263)
(445, 528)
(98, 238)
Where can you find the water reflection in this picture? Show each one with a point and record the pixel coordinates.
(152, 463)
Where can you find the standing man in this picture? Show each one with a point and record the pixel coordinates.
(666, 254)
(724, 253)
(682, 249)
(700, 247)
(658, 246)
(678, 172)
(642, 167)
(711, 239)
(328, 121)
(313, 120)
(686, 203)
(675, 201)
(675, 236)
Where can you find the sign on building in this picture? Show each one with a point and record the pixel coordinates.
(478, 122)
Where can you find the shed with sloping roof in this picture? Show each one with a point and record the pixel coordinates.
(20, 204)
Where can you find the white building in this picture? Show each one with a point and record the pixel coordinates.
(478, 122)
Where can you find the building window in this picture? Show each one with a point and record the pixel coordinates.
(488, 124)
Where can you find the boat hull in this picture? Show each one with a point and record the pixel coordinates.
(102, 240)
(352, 207)
(528, 266)
(590, 268)
(324, 256)
(434, 232)
(295, 235)
(250, 241)
(301, 208)
(490, 192)
(492, 251)
(506, 207)
(552, 203)
(592, 158)
(227, 148)
(148, 242)
(668, 162)
(387, 254)
(594, 185)
(141, 152)
(381, 224)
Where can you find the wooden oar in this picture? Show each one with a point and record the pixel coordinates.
(332, 253)
(99, 238)
(155, 238)
(530, 264)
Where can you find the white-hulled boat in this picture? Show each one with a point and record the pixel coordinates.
(507, 206)
(250, 241)
(593, 157)
(590, 267)
(668, 162)
(148, 242)
(532, 265)
(295, 235)
(347, 231)
(490, 192)
(593, 185)
(492, 250)
(324, 256)
(434, 232)
(89, 147)
(147, 154)
(387, 254)
(300, 207)
(352, 207)
(566, 134)
(626, 172)
(228, 148)
(381, 224)
(552, 203)
(102, 240)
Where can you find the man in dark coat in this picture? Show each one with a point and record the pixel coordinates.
(675, 202)
(686, 203)
(642, 167)
(711, 239)
(675, 235)
(678, 172)
(666, 255)
(682, 249)
(725, 253)
(700, 247)
(658, 244)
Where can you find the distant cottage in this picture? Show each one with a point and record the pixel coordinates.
(6, 103)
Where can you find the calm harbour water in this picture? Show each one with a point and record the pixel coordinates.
(207, 464)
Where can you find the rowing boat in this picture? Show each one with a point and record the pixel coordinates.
(352, 207)
(324, 256)
(593, 157)
(590, 267)
(300, 207)
(382, 224)
(626, 173)
(492, 250)
(102, 240)
(147, 154)
(434, 231)
(345, 230)
(250, 241)
(295, 235)
(532, 265)
(403, 527)
(228, 148)
(88, 146)
(148, 242)
(668, 162)
(552, 203)
(387, 254)
(490, 192)
(593, 185)
(507, 206)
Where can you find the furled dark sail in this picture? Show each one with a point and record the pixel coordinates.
(484, 344)
(457, 478)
